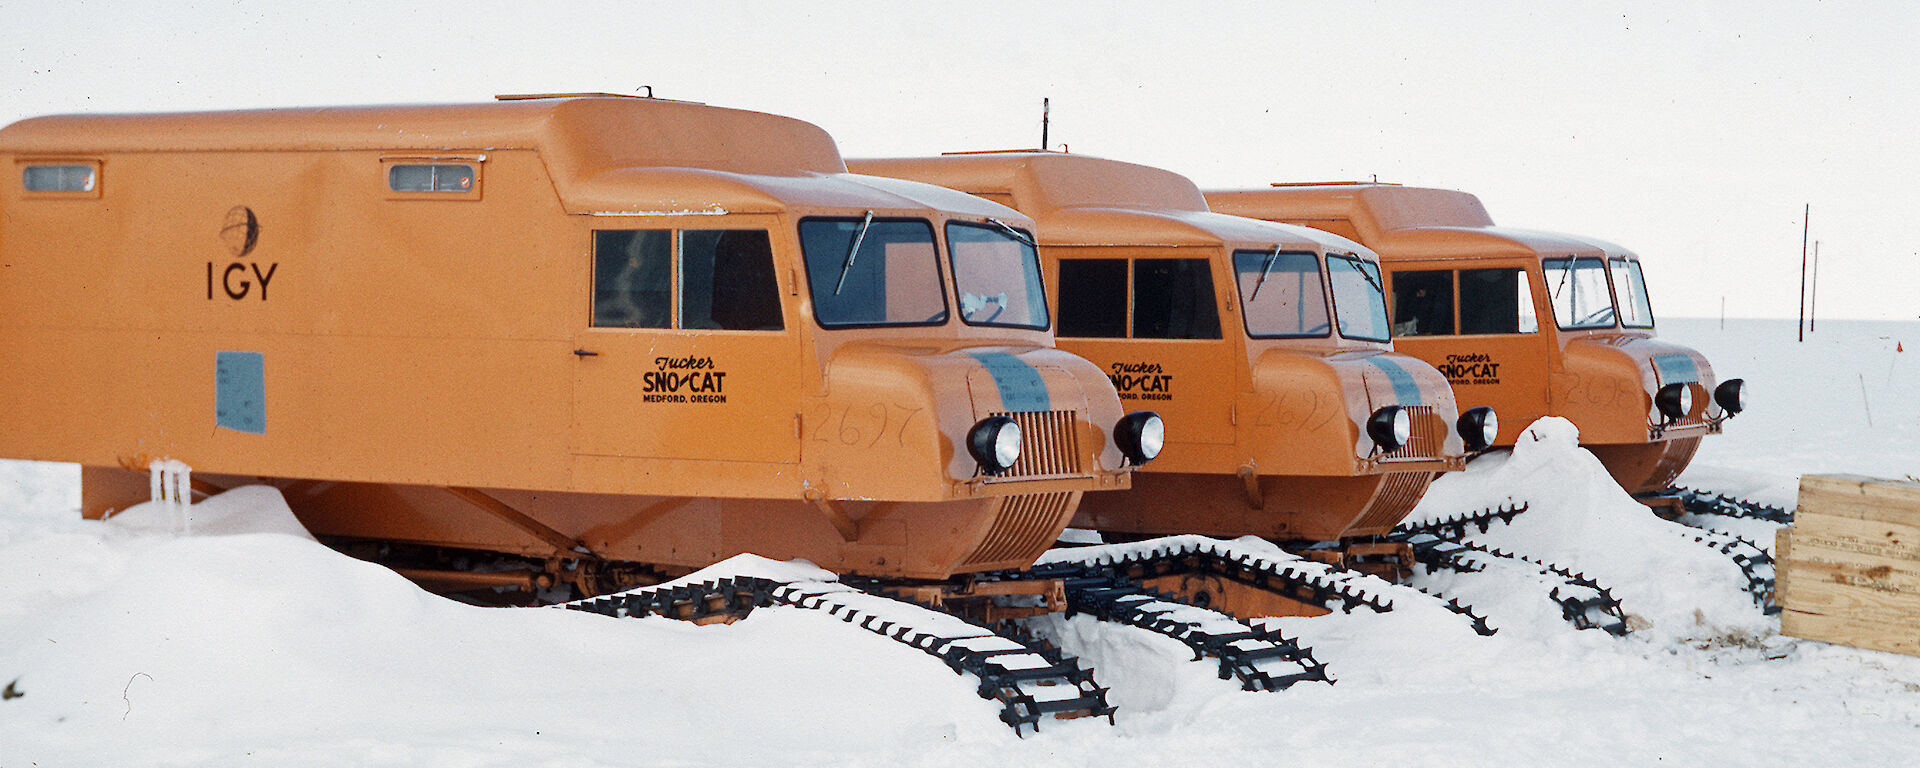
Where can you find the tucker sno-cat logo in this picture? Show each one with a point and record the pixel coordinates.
(683, 380)
(1141, 381)
(1475, 368)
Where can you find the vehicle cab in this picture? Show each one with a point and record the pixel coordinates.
(1265, 347)
(1532, 323)
(591, 329)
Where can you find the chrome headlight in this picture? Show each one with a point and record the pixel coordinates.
(1140, 436)
(1479, 427)
(1675, 401)
(995, 443)
(1731, 395)
(1390, 427)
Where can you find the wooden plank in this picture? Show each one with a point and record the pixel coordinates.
(1846, 615)
(1879, 574)
(1873, 538)
(1782, 549)
(1865, 498)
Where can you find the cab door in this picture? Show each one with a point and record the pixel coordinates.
(1153, 324)
(1480, 327)
(687, 352)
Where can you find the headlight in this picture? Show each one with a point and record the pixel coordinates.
(1675, 401)
(995, 443)
(1479, 427)
(1140, 436)
(1731, 395)
(1390, 427)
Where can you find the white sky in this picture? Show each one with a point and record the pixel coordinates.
(1690, 132)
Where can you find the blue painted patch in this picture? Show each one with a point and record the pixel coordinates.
(240, 392)
(1405, 389)
(1020, 386)
(1676, 368)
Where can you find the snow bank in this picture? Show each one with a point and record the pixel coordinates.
(1577, 517)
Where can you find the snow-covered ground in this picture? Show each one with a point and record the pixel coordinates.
(248, 644)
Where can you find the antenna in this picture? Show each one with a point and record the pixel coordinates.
(1046, 116)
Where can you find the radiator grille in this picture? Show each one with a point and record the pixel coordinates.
(1049, 446)
(1429, 436)
(1026, 526)
(1399, 492)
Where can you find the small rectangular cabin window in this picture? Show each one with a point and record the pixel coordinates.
(1630, 290)
(873, 272)
(65, 178)
(1495, 301)
(1359, 298)
(727, 282)
(430, 178)
(1093, 298)
(1423, 302)
(1174, 299)
(632, 278)
(433, 178)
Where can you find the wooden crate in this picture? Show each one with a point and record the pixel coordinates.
(1850, 564)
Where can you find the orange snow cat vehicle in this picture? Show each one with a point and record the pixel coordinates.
(587, 331)
(1469, 298)
(1265, 346)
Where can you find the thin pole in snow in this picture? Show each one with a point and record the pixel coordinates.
(1805, 227)
(1813, 294)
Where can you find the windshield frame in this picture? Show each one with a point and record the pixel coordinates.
(1573, 264)
(1637, 289)
(946, 308)
(1379, 290)
(1260, 255)
(1038, 283)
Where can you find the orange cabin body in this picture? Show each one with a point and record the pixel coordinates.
(1531, 323)
(1265, 408)
(545, 326)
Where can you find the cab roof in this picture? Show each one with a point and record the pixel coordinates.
(1406, 222)
(607, 155)
(1079, 200)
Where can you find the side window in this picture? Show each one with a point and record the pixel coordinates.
(63, 179)
(727, 281)
(1423, 302)
(1093, 298)
(632, 278)
(1174, 299)
(430, 178)
(1496, 301)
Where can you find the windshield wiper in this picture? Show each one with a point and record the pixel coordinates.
(1361, 267)
(858, 238)
(1017, 234)
(1265, 265)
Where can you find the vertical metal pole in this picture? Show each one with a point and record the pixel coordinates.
(1805, 226)
(1046, 116)
(1813, 293)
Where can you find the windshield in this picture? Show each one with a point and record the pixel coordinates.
(872, 272)
(997, 274)
(1280, 294)
(1635, 311)
(1578, 288)
(1359, 304)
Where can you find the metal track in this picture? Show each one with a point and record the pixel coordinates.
(1029, 679)
(1293, 578)
(1261, 659)
(1708, 503)
(1582, 601)
(1455, 528)
(1752, 559)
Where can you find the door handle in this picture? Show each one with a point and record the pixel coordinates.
(585, 353)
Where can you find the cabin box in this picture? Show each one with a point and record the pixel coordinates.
(1850, 564)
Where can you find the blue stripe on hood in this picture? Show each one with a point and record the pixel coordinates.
(1676, 368)
(1021, 388)
(1405, 389)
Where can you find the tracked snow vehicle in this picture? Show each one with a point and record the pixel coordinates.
(1288, 414)
(583, 330)
(1473, 300)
